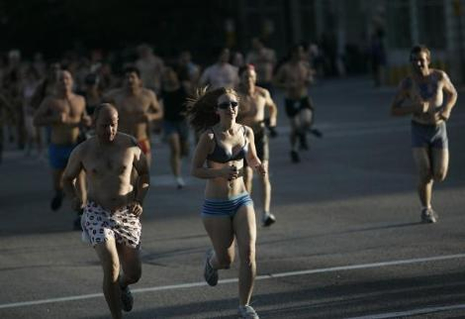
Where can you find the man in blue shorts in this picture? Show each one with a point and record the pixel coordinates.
(422, 95)
(63, 112)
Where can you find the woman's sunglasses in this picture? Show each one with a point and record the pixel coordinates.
(225, 105)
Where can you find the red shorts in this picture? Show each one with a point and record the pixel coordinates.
(144, 145)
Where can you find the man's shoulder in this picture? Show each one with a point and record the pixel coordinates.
(147, 92)
(262, 92)
(406, 83)
(83, 147)
(78, 97)
(439, 74)
(126, 139)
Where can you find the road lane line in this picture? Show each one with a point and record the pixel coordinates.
(235, 280)
(413, 312)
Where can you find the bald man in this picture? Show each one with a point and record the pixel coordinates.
(110, 220)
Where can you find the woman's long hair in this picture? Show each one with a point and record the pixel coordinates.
(201, 107)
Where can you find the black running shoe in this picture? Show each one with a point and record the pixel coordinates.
(268, 220)
(210, 274)
(295, 158)
(56, 202)
(127, 300)
(303, 145)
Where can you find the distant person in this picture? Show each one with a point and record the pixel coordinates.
(378, 57)
(64, 112)
(188, 71)
(46, 87)
(111, 218)
(228, 214)
(264, 61)
(256, 104)
(173, 96)
(6, 112)
(294, 76)
(421, 94)
(137, 107)
(33, 137)
(150, 67)
(237, 59)
(220, 74)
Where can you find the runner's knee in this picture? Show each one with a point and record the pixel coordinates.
(248, 255)
(224, 261)
(440, 175)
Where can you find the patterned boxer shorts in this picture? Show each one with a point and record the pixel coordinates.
(99, 224)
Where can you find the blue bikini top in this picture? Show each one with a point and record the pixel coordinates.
(221, 155)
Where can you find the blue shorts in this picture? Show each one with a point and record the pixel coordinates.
(59, 155)
(225, 207)
(425, 136)
(178, 127)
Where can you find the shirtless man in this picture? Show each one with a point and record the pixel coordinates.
(220, 74)
(151, 68)
(294, 77)
(63, 111)
(264, 60)
(111, 215)
(137, 107)
(422, 95)
(255, 101)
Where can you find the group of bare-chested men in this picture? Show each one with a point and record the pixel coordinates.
(107, 176)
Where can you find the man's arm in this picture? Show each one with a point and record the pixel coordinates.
(143, 180)
(72, 170)
(280, 77)
(155, 112)
(451, 93)
(5, 104)
(272, 109)
(399, 107)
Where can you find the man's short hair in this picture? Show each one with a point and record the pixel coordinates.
(246, 67)
(100, 107)
(418, 49)
(131, 69)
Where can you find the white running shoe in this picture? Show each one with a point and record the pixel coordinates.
(247, 312)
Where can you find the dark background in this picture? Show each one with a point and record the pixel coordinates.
(56, 26)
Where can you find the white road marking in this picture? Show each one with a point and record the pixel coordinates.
(261, 277)
(412, 312)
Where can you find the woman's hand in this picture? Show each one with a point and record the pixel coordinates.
(230, 172)
(260, 168)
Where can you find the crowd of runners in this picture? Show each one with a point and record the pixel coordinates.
(97, 127)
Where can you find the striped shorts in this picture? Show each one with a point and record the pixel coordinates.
(225, 207)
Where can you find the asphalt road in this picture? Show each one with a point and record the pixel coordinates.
(348, 242)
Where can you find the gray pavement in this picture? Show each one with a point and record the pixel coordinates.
(348, 242)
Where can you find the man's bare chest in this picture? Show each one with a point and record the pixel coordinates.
(253, 104)
(72, 106)
(132, 104)
(102, 164)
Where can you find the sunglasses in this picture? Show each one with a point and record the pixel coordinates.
(226, 105)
